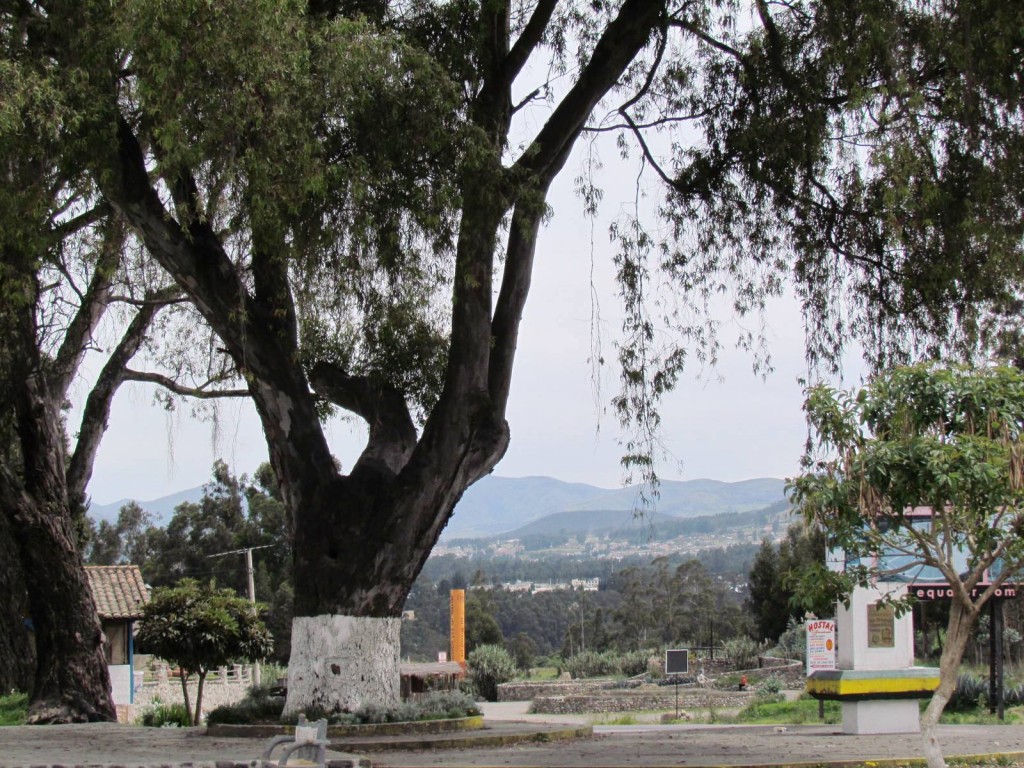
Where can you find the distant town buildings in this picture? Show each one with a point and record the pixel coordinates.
(533, 587)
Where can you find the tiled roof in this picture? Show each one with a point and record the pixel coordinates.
(118, 590)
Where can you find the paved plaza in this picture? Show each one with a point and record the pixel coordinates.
(512, 738)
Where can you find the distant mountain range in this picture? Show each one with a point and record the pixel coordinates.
(499, 505)
(162, 509)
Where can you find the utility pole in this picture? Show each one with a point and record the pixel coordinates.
(249, 573)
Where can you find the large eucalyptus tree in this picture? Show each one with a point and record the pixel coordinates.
(350, 194)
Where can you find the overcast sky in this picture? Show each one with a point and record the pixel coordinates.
(727, 424)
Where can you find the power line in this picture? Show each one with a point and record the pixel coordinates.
(247, 551)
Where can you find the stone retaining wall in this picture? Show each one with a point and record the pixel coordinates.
(790, 672)
(650, 697)
(524, 691)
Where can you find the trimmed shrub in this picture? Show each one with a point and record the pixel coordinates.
(793, 642)
(489, 666)
(260, 708)
(263, 709)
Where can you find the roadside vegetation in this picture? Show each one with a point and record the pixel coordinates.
(13, 709)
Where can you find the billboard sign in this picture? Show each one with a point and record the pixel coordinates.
(677, 662)
(821, 645)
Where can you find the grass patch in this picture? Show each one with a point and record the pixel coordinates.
(981, 716)
(13, 709)
(803, 710)
(543, 673)
(624, 719)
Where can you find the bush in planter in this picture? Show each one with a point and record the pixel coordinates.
(257, 707)
(741, 651)
(166, 716)
(635, 663)
(489, 666)
(591, 664)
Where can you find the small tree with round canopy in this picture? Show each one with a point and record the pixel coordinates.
(199, 628)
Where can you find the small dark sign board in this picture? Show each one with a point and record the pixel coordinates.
(677, 662)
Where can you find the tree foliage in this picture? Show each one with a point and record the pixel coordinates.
(774, 593)
(944, 438)
(199, 628)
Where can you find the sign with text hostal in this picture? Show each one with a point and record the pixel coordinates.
(821, 644)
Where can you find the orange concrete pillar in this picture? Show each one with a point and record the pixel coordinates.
(457, 627)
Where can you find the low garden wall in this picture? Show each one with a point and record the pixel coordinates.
(720, 674)
(656, 697)
(225, 686)
(526, 691)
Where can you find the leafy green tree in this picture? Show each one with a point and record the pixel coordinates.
(481, 626)
(947, 438)
(773, 582)
(233, 514)
(64, 270)
(523, 651)
(126, 541)
(199, 628)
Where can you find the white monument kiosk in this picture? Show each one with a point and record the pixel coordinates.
(876, 680)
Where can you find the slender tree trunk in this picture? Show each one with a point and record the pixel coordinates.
(199, 698)
(17, 657)
(184, 695)
(958, 633)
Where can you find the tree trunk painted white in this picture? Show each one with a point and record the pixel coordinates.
(339, 663)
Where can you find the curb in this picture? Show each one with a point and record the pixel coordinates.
(994, 758)
(477, 739)
(267, 731)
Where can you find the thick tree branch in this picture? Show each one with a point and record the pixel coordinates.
(515, 286)
(81, 221)
(201, 392)
(198, 263)
(194, 257)
(96, 413)
(383, 408)
(94, 303)
(527, 42)
(622, 40)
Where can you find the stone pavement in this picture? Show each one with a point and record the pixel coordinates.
(703, 745)
(108, 744)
